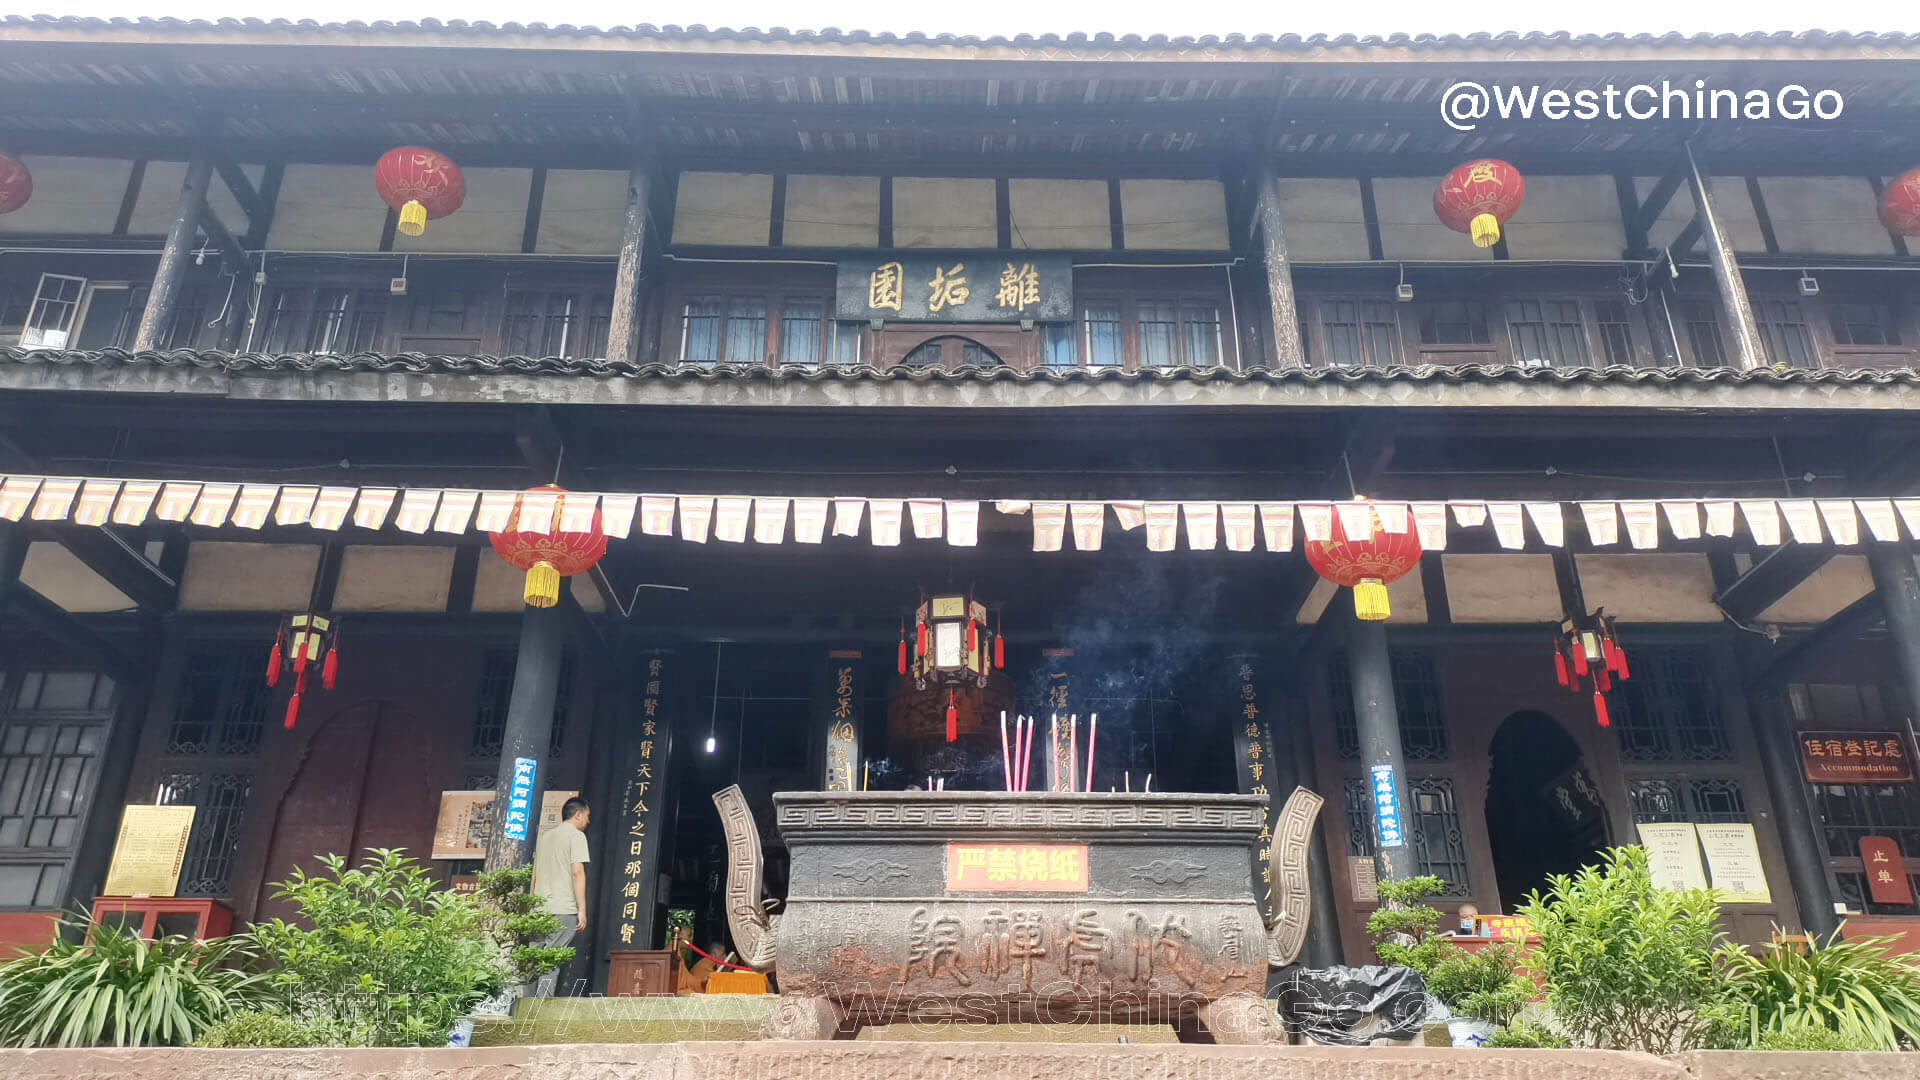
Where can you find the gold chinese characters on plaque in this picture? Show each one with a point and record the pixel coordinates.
(964, 286)
(1017, 868)
(1855, 757)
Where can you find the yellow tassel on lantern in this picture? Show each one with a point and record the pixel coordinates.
(1486, 230)
(543, 585)
(1370, 600)
(413, 222)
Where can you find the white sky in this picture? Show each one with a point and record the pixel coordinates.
(1063, 16)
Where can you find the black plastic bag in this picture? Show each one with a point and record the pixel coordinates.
(1353, 1006)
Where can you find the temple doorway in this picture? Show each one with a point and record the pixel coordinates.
(1544, 811)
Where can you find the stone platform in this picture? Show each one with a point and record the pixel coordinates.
(940, 1061)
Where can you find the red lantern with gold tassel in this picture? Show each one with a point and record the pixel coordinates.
(549, 556)
(1478, 197)
(16, 184)
(1588, 659)
(1366, 564)
(1900, 204)
(421, 184)
(302, 641)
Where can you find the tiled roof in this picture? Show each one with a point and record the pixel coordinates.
(422, 364)
(1812, 39)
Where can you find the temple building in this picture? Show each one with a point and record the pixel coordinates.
(899, 383)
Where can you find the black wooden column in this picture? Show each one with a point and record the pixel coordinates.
(164, 294)
(1377, 717)
(1737, 309)
(1287, 347)
(839, 704)
(526, 744)
(1897, 583)
(1793, 812)
(634, 841)
(623, 325)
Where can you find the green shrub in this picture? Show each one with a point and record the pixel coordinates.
(107, 987)
(257, 1028)
(1632, 967)
(1481, 985)
(387, 957)
(1855, 986)
(1524, 1036)
(1801, 1035)
(515, 921)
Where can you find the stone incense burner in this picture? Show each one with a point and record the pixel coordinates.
(1022, 907)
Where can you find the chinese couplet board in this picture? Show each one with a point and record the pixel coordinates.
(1058, 868)
(961, 286)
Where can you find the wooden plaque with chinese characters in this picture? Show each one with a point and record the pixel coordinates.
(1855, 757)
(1886, 871)
(1058, 868)
(149, 851)
(959, 286)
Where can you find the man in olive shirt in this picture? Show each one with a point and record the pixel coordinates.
(560, 880)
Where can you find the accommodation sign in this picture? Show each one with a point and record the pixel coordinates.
(964, 286)
(1855, 757)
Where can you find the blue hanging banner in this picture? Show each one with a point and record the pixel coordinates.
(520, 799)
(1386, 808)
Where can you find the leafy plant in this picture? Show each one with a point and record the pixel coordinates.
(1632, 967)
(515, 921)
(387, 957)
(1524, 1036)
(1405, 932)
(99, 986)
(1856, 987)
(258, 1028)
(1482, 985)
(1807, 1035)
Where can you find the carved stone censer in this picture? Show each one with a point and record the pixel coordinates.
(975, 906)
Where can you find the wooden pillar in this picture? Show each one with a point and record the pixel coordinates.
(839, 705)
(635, 841)
(1793, 815)
(1377, 717)
(1735, 307)
(623, 326)
(1287, 348)
(1897, 582)
(526, 744)
(164, 294)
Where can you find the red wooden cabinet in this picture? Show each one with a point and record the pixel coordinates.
(198, 917)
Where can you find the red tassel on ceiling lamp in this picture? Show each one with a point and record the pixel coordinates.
(1588, 659)
(301, 641)
(953, 719)
(901, 661)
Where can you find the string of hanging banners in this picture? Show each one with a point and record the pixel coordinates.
(1205, 525)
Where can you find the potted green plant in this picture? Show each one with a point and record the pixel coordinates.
(1481, 989)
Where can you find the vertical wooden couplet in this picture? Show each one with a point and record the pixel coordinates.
(1253, 756)
(1377, 717)
(1737, 309)
(623, 325)
(526, 743)
(1056, 700)
(838, 718)
(164, 294)
(1288, 350)
(635, 842)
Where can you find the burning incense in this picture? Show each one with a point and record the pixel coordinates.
(1129, 781)
(866, 774)
(1073, 752)
(1093, 732)
(1149, 786)
(1006, 755)
(1026, 755)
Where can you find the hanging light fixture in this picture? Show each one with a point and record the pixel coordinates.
(952, 647)
(1588, 659)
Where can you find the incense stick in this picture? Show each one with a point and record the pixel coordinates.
(1006, 756)
(1053, 752)
(1026, 756)
(1073, 752)
(1093, 732)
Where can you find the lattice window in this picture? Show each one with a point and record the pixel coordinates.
(1417, 695)
(223, 703)
(1703, 800)
(1848, 812)
(496, 693)
(1670, 709)
(1434, 831)
(53, 729)
(220, 807)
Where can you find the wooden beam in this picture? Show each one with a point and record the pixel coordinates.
(1288, 350)
(163, 294)
(1654, 205)
(1683, 242)
(1770, 578)
(231, 252)
(49, 618)
(1835, 637)
(243, 190)
(104, 552)
(1736, 308)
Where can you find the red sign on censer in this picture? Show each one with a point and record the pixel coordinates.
(1886, 872)
(1017, 868)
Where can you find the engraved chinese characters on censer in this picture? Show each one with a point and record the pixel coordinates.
(1020, 906)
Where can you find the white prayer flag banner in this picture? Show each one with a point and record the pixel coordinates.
(696, 517)
(886, 514)
(1163, 526)
(1548, 522)
(963, 522)
(656, 515)
(536, 512)
(296, 505)
(177, 499)
(215, 500)
(1238, 524)
(456, 511)
(1276, 523)
(136, 502)
(96, 501)
(1089, 525)
(1842, 524)
(1203, 525)
(1316, 522)
(1129, 515)
(1509, 528)
(1357, 520)
(1430, 525)
(616, 515)
(810, 520)
(16, 495)
(1643, 524)
(1878, 514)
(56, 499)
(250, 510)
(730, 513)
(1719, 516)
(1049, 525)
(331, 505)
(1763, 521)
(577, 510)
(1909, 515)
(495, 513)
(846, 516)
(416, 510)
(1393, 517)
(1683, 519)
(1603, 523)
(769, 521)
(927, 518)
(1470, 515)
(1803, 521)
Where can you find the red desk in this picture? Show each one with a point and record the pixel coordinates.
(207, 918)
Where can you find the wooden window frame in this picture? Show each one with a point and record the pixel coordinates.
(1130, 299)
(769, 284)
(581, 344)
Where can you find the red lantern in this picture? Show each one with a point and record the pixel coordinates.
(313, 639)
(547, 557)
(16, 184)
(420, 183)
(1366, 564)
(1477, 197)
(1588, 659)
(1899, 204)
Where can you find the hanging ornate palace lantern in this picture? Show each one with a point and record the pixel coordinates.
(1587, 658)
(1478, 197)
(1900, 204)
(422, 184)
(549, 556)
(303, 641)
(16, 184)
(952, 647)
(1366, 564)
